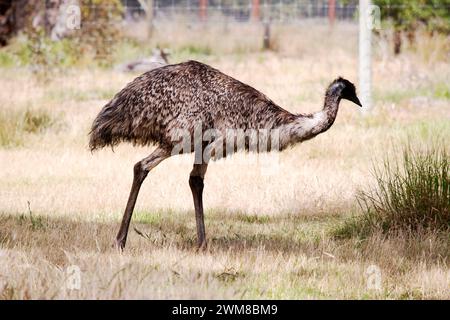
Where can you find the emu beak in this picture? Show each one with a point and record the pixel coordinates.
(356, 101)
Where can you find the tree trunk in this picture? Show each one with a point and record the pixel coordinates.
(6, 21)
(147, 6)
(411, 37)
(266, 37)
(18, 15)
(51, 14)
(397, 42)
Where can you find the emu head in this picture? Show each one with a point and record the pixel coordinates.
(345, 89)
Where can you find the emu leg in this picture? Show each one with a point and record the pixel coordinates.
(141, 169)
(196, 183)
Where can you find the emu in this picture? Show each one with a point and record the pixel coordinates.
(158, 59)
(154, 107)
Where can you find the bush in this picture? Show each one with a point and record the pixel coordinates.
(95, 40)
(100, 28)
(411, 195)
(191, 49)
(408, 15)
(14, 125)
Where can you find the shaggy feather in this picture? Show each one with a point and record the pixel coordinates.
(150, 109)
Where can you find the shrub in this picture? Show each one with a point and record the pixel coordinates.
(95, 39)
(14, 125)
(408, 16)
(100, 28)
(191, 49)
(410, 195)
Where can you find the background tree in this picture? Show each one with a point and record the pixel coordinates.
(406, 16)
(100, 27)
(99, 19)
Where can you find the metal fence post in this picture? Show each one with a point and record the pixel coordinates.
(365, 55)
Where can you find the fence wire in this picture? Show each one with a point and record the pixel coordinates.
(242, 10)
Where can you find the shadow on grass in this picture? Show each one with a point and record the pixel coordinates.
(53, 236)
(56, 238)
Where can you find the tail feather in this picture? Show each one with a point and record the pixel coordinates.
(115, 124)
(110, 127)
(130, 116)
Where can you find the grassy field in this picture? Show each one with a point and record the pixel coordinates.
(271, 235)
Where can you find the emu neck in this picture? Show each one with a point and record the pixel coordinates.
(305, 127)
(330, 109)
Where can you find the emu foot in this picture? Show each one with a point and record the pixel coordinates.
(119, 244)
(202, 246)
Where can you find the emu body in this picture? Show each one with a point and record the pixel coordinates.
(153, 108)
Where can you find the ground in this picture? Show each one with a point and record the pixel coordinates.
(269, 221)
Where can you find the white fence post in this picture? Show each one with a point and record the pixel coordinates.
(365, 54)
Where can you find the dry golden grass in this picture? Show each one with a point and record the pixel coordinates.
(268, 233)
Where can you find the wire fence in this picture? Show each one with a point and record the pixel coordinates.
(284, 11)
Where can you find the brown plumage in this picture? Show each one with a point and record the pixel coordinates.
(153, 108)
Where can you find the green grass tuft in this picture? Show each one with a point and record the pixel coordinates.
(196, 50)
(411, 195)
(15, 125)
